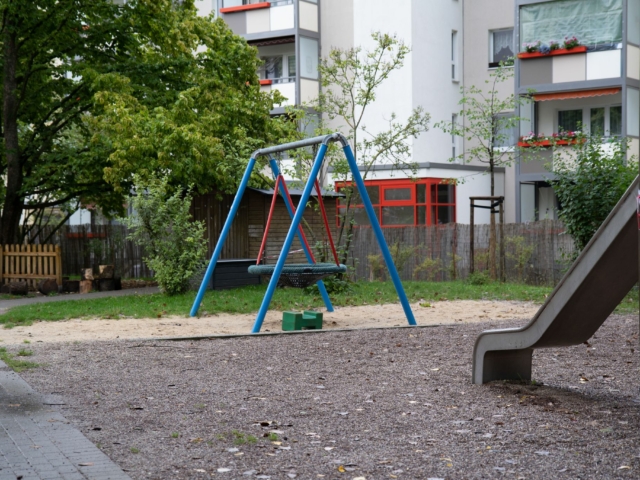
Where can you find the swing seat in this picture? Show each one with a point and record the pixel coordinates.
(299, 275)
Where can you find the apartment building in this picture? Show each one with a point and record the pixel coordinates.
(594, 87)
(292, 35)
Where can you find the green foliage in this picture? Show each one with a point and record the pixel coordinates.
(518, 252)
(478, 278)
(175, 246)
(350, 80)
(400, 256)
(484, 124)
(101, 91)
(428, 269)
(15, 365)
(591, 177)
(334, 285)
(249, 299)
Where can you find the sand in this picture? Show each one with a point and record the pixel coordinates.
(368, 316)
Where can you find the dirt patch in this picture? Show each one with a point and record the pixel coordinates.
(378, 404)
(368, 316)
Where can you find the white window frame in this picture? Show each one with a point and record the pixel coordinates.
(455, 74)
(454, 139)
(513, 45)
(285, 68)
(586, 118)
(508, 148)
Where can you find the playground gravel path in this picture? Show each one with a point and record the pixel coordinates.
(377, 404)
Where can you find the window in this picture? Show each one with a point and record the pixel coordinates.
(506, 132)
(454, 138)
(615, 120)
(399, 203)
(569, 120)
(309, 53)
(454, 56)
(605, 121)
(501, 47)
(238, 3)
(278, 68)
(595, 23)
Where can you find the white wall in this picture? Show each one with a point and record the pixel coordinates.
(433, 87)
(205, 7)
(395, 94)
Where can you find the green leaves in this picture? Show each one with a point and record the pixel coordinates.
(175, 246)
(149, 87)
(590, 177)
(350, 79)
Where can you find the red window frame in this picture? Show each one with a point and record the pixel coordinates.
(430, 204)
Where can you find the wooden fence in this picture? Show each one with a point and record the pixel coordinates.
(84, 246)
(536, 253)
(30, 263)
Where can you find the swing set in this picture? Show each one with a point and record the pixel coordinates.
(301, 275)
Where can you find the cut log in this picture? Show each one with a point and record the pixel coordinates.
(106, 284)
(48, 286)
(106, 271)
(86, 286)
(71, 286)
(86, 273)
(15, 288)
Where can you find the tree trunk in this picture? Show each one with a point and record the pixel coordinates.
(492, 228)
(12, 210)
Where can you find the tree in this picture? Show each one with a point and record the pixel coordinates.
(486, 125)
(350, 80)
(94, 91)
(590, 178)
(174, 244)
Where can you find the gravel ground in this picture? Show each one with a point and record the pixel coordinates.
(377, 404)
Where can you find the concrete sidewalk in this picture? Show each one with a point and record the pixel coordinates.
(18, 302)
(37, 442)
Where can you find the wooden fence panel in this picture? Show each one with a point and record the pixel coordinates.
(535, 253)
(30, 263)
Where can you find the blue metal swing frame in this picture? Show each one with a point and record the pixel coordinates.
(324, 142)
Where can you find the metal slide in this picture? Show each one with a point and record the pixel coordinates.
(592, 288)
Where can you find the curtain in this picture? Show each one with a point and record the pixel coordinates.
(593, 22)
(502, 45)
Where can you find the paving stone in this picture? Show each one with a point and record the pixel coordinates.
(39, 443)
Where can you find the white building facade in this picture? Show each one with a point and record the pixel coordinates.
(452, 44)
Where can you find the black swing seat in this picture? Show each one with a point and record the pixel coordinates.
(299, 275)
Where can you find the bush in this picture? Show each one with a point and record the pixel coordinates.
(334, 286)
(174, 245)
(478, 278)
(590, 182)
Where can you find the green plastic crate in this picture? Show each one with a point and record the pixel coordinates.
(301, 321)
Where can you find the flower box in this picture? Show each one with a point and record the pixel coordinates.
(243, 8)
(547, 143)
(266, 82)
(560, 51)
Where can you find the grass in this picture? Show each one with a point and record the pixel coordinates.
(239, 438)
(248, 299)
(16, 365)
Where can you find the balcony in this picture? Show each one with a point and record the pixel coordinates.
(269, 18)
(592, 48)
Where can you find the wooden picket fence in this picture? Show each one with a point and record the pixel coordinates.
(30, 263)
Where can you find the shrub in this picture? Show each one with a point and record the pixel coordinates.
(478, 278)
(590, 179)
(174, 245)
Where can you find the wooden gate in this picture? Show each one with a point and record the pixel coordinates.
(30, 263)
